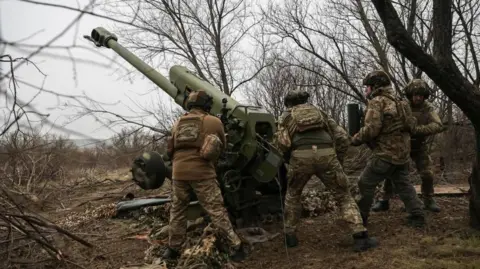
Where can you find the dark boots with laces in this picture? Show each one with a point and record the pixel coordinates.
(171, 254)
(362, 242)
(416, 221)
(238, 254)
(430, 204)
(291, 240)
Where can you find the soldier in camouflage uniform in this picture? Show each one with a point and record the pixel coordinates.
(428, 124)
(387, 126)
(196, 142)
(316, 145)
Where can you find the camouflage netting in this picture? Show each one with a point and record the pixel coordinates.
(317, 200)
(76, 219)
(205, 247)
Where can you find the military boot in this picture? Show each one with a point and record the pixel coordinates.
(362, 242)
(291, 240)
(430, 204)
(171, 253)
(416, 221)
(238, 254)
(381, 205)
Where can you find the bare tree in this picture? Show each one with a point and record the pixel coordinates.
(273, 83)
(300, 25)
(269, 88)
(211, 37)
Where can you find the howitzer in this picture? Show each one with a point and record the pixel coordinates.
(250, 164)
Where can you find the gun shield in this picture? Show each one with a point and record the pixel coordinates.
(354, 118)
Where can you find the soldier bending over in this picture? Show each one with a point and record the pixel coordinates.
(308, 138)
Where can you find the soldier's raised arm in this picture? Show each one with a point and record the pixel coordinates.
(434, 126)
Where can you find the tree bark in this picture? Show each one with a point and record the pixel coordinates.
(443, 71)
(474, 181)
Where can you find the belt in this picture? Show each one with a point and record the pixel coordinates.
(319, 146)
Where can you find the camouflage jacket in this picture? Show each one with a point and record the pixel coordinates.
(428, 123)
(339, 134)
(380, 115)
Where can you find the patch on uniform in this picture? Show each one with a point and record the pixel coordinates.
(211, 148)
(188, 132)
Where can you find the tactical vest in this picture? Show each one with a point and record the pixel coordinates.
(422, 119)
(394, 123)
(189, 132)
(307, 126)
(421, 116)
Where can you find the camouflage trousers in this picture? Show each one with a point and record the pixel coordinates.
(423, 163)
(210, 198)
(378, 170)
(324, 164)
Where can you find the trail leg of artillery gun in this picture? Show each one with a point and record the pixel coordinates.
(251, 164)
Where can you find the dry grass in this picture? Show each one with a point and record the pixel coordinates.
(439, 252)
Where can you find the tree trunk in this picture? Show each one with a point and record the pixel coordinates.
(449, 137)
(474, 181)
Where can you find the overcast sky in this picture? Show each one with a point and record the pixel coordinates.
(19, 20)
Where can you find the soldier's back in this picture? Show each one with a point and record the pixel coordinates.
(393, 142)
(187, 163)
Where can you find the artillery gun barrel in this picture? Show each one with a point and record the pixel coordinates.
(181, 82)
(104, 38)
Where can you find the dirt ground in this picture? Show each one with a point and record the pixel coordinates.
(446, 242)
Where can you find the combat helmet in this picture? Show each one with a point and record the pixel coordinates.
(200, 99)
(295, 97)
(417, 87)
(376, 79)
